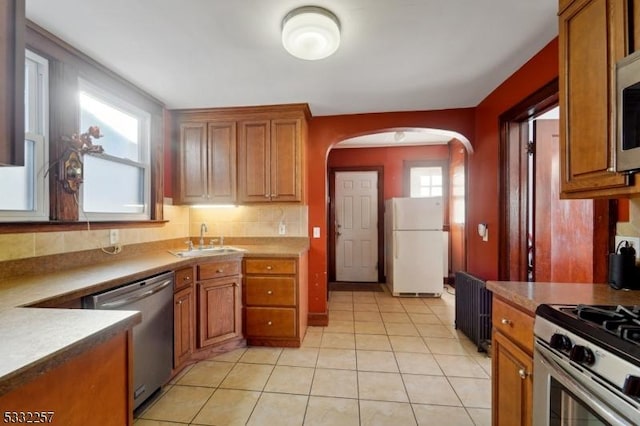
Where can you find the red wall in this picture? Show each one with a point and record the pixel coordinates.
(482, 201)
(324, 132)
(391, 158)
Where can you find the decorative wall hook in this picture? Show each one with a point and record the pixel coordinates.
(71, 166)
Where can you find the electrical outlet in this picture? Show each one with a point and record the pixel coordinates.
(114, 236)
(316, 232)
(633, 242)
(282, 228)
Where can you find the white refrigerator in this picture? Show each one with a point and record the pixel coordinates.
(415, 246)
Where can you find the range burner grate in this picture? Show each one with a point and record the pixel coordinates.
(620, 320)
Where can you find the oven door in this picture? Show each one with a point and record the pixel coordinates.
(563, 395)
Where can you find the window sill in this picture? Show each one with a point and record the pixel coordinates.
(57, 226)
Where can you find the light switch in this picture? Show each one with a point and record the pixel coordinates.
(316, 232)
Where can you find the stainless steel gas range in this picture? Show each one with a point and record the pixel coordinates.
(586, 365)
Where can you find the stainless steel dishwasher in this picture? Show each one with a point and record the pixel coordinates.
(153, 337)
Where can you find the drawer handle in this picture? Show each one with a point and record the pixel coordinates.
(269, 323)
(219, 271)
(522, 373)
(506, 321)
(186, 278)
(269, 292)
(269, 268)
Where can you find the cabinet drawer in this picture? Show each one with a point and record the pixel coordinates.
(183, 278)
(514, 323)
(270, 266)
(271, 322)
(211, 270)
(270, 291)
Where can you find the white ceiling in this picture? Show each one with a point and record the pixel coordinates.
(396, 55)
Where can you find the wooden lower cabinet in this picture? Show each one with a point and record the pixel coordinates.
(207, 310)
(219, 303)
(92, 388)
(512, 365)
(184, 314)
(219, 311)
(275, 301)
(512, 383)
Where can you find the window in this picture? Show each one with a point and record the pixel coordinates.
(24, 190)
(116, 183)
(425, 182)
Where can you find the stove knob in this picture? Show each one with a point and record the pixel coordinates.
(582, 355)
(560, 342)
(631, 386)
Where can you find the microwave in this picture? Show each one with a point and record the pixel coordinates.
(628, 113)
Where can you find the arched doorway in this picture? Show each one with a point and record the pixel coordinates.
(393, 158)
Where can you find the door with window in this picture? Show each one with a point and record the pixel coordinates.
(356, 226)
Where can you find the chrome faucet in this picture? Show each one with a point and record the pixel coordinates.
(203, 230)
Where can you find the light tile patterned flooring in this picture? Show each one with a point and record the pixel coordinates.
(382, 360)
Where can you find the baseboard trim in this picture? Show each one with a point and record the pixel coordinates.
(318, 319)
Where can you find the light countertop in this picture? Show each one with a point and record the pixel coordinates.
(528, 295)
(35, 340)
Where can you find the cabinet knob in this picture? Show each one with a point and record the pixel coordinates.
(266, 195)
(269, 323)
(269, 292)
(269, 267)
(179, 302)
(506, 321)
(186, 278)
(522, 373)
(219, 271)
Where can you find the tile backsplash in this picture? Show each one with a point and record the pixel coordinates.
(241, 221)
(25, 245)
(250, 221)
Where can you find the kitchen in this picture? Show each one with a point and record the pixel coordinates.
(479, 124)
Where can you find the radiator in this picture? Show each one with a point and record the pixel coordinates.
(473, 309)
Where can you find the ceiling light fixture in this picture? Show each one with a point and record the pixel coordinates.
(310, 33)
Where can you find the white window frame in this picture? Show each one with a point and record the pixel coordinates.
(418, 186)
(144, 162)
(38, 114)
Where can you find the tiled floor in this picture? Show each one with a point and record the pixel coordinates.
(381, 361)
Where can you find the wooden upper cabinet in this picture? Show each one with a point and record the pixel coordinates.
(12, 28)
(254, 178)
(244, 154)
(285, 160)
(222, 160)
(206, 169)
(269, 160)
(591, 39)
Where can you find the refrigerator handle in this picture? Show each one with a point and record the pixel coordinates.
(395, 247)
(395, 215)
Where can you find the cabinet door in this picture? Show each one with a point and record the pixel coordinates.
(222, 162)
(512, 383)
(12, 24)
(184, 317)
(192, 173)
(254, 179)
(592, 39)
(285, 160)
(219, 311)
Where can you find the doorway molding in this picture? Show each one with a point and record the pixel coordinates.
(331, 236)
(513, 192)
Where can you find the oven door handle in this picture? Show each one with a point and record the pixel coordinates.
(602, 410)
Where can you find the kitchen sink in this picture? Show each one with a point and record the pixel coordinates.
(206, 251)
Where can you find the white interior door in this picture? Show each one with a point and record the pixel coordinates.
(356, 226)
